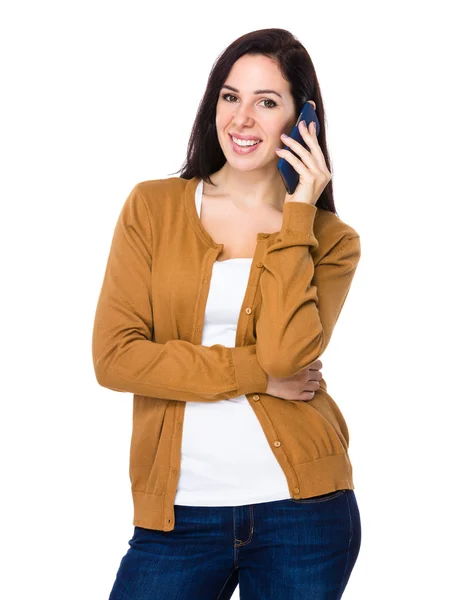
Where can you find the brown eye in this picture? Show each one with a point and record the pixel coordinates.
(272, 105)
(272, 101)
(226, 95)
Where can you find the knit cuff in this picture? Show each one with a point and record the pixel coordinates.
(249, 374)
(297, 228)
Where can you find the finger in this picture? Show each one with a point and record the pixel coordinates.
(299, 149)
(309, 135)
(314, 374)
(298, 165)
(310, 396)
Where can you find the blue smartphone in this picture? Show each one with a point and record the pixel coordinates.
(288, 173)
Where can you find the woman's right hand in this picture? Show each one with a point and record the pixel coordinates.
(301, 386)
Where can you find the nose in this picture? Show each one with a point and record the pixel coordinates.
(243, 116)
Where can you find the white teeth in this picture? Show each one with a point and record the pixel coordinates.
(245, 142)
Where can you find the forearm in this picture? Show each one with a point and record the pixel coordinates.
(301, 301)
(176, 370)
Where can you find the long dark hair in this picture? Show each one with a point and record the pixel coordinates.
(204, 154)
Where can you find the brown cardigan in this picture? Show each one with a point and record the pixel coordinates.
(148, 328)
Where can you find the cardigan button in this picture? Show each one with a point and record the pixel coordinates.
(259, 265)
(256, 397)
(277, 443)
(248, 310)
(296, 490)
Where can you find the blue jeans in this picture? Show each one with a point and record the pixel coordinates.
(280, 550)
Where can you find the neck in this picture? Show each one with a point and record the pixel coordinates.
(251, 189)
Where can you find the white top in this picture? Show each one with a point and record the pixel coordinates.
(226, 459)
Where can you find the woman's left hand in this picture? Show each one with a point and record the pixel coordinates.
(312, 169)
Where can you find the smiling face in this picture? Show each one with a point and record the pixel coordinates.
(245, 108)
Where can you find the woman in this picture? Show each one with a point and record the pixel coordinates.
(220, 293)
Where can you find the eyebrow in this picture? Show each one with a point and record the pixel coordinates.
(229, 87)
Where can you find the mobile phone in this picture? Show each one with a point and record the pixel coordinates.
(288, 173)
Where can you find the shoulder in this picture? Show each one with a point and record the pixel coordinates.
(170, 185)
(160, 195)
(155, 190)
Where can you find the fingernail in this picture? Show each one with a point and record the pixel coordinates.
(283, 135)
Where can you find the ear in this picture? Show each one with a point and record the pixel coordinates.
(313, 104)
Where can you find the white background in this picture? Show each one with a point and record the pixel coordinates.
(97, 96)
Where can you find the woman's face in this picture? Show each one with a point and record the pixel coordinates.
(247, 112)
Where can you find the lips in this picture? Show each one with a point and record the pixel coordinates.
(259, 141)
(256, 143)
(247, 138)
(244, 149)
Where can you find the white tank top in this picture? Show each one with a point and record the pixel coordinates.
(225, 457)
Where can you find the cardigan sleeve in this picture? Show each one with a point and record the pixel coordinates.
(126, 359)
(301, 302)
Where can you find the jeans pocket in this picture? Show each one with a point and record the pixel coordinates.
(317, 499)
